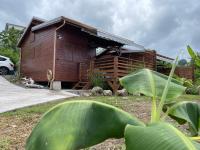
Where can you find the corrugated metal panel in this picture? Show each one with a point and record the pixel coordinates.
(169, 60)
(133, 48)
(112, 37)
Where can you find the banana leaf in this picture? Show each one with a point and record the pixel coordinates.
(79, 124)
(157, 136)
(187, 112)
(151, 83)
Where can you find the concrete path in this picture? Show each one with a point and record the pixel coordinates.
(13, 97)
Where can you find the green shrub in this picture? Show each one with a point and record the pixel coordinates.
(13, 55)
(97, 79)
(194, 90)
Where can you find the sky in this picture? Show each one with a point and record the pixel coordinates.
(167, 26)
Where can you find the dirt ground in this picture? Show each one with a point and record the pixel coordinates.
(14, 129)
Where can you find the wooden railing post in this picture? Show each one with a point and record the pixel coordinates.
(116, 67)
(91, 67)
(115, 81)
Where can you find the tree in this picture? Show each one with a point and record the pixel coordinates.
(182, 62)
(9, 38)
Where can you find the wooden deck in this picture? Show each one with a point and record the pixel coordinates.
(111, 67)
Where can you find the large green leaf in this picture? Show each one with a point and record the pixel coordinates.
(157, 136)
(188, 112)
(148, 82)
(191, 52)
(193, 55)
(79, 124)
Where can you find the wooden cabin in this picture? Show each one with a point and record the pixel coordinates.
(63, 46)
(69, 49)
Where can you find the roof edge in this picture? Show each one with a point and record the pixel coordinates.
(26, 29)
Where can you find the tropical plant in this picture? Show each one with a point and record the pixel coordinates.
(81, 124)
(195, 56)
(187, 112)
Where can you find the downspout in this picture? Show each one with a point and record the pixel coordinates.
(54, 53)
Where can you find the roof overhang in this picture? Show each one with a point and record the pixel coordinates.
(28, 28)
(84, 28)
(164, 58)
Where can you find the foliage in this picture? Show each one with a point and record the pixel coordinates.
(97, 79)
(13, 55)
(76, 125)
(195, 60)
(188, 112)
(185, 82)
(182, 62)
(157, 136)
(93, 123)
(194, 90)
(9, 38)
(164, 64)
(194, 56)
(143, 80)
(8, 44)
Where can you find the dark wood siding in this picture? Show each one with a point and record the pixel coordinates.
(148, 57)
(72, 48)
(37, 54)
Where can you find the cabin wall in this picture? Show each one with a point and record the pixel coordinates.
(71, 49)
(37, 54)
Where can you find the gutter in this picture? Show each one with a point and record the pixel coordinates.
(54, 52)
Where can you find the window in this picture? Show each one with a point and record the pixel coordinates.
(2, 59)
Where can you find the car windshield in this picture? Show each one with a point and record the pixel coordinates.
(2, 59)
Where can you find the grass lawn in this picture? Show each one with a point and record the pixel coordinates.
(15, 126)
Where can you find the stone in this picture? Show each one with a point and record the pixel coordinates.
(107, 93)
(122, 92)
(97, 91)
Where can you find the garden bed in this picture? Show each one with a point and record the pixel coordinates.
(16, 126)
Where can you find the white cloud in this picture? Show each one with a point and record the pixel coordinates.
(166, 26)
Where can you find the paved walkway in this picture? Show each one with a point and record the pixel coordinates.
(13, 97)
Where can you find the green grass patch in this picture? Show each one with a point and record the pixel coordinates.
(42, 108)
(112, 100)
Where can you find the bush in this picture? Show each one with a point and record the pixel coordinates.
(194, 90)
(13, 55)
(97, 79)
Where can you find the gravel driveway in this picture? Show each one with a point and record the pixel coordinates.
(13, 97)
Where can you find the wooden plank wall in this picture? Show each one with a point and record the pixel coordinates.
(72, 49)
(37, 54)
(185, 72)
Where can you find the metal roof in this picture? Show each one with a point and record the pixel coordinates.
(26, 29)
(46, 24)
(112, 37)
(164, 58)
(99, 33)
(133, 48)
(88, 29)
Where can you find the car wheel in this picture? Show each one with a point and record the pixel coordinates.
(3, 71)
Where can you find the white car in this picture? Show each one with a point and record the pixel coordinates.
(6, 66)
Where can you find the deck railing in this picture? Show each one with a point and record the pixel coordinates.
(111, 67)
(114, 67)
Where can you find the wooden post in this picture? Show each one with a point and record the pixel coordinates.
(80, 72)
(115, 79)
